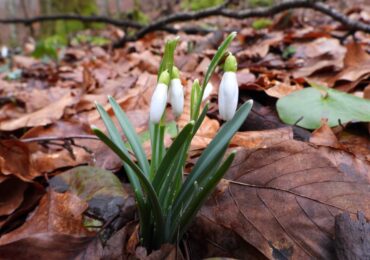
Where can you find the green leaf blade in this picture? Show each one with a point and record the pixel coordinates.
(212, 153)
(172, 152)
(205, 190)
(147, 186)
(131, 135)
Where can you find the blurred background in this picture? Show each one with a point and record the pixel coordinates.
(137, 10)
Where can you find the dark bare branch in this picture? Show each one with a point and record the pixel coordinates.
(73, 17)
(222, 10)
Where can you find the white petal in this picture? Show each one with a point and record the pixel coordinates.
(207, 91)
(228, 95)
(158, 103)
(177, 97)
(4, 52)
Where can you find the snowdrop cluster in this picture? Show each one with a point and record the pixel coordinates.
(170, 89)
(167, 200)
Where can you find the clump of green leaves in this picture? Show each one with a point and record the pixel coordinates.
(167, 201)
(65, 28)
(289, 52)
(261, 3)
(200, 4)
(48, 48)
(92, 40)
(261, 23)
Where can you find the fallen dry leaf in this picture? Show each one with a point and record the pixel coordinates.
(261, 43)
(355, 142)
(281, 89)
(15, 159)
(245, 77)
(54, 231)
(356, 68)
(262, 139)
(47, 157)
(29, 200)
(282, 200)
(44, 116)
(324, 136)
(24, 61)
(11, 195)
(323, 53)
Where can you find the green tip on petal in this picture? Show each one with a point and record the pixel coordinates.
(164, 78)
(231, 64)
(175, 73)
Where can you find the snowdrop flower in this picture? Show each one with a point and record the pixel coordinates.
(207, 91)
(4, 52)
(176, 94)
(159, 98)
(229, 90)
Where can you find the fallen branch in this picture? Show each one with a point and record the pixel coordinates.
(72, 17)
(222, 10)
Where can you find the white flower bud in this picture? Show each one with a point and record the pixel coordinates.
(228, 95)
(207, 91)
(4, 52)
(158, 103)
(176, 97)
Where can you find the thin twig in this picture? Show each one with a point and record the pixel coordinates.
(57, 138)
(67, 142)
(73, 17)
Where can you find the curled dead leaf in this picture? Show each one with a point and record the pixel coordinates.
(54, 231)
(44, 116)
(11, 195)
(15, 159)
(322, 53)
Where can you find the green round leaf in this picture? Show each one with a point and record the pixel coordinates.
(317, 102)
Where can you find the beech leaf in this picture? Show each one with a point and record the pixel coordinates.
(283, 200)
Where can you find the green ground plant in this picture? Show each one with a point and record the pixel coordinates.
(167, 201)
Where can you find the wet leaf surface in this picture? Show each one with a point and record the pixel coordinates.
(101, 189)
(15, 159)
(55, 223)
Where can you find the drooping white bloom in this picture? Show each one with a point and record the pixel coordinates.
(158, 103)
(207, 91)
(228, 95)
(176, 97)
(229, 91)
(4, 52)
(159, 98)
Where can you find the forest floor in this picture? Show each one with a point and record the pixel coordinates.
(281, 196)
